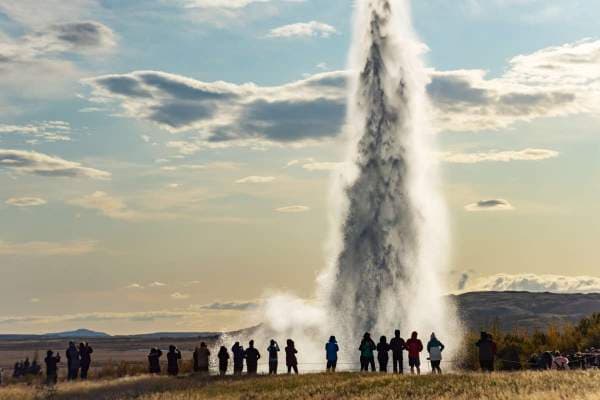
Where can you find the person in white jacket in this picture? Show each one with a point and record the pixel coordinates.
(435, 348)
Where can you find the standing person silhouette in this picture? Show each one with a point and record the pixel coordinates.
(201, 359)
(51, 367)
(382, 354)
(273, 351)
(291, 361)
(397, 346)
(487, 352)
(414, 347)
(435, 348)
(331, 353)
(252, 356)
(154, 360)
(223, 357)
(238, 358)
(73, 363)
(173, 357)
(366, 348)
(85, 355)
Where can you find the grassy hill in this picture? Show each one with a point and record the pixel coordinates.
(524, 310)
(523, 385)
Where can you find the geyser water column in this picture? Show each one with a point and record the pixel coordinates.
(389, 239)
(389, 232)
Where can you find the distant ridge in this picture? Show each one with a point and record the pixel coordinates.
(478, 310)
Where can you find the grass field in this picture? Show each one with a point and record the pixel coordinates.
(522, 385)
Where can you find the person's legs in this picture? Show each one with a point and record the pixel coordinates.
(372, 362)
(289, 369)
(295, 369)
(362, 363)
(333, 365)
(395, 362)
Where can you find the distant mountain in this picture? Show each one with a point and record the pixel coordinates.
(174, 335)
(77, 334)
(524, 310)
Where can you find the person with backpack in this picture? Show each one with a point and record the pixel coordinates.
(201, 357)
(238, 358)
(414, 347)
(291, 361)
(85, 356)
(382, 354)
(273, 351)
(51, 367)
(173, 357)
(397, 346)
(366, 348)
(331, 353)
(435, 348)
(223, 357)
(252, 356)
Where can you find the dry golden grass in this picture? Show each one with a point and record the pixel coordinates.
(469, 386)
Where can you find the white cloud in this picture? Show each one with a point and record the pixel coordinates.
(535, 283)
(292, 209)
(554, 81)
(500, 156)
(157, 284)
(134, 286)
(34, 300)
(180, 296)
(72, 248)
(26, 201)
(490, 205)
(47, 131)
(322, 166)
(303, 29)
(32, 162)
(256, 179)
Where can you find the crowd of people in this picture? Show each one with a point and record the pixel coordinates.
(79, 358)
(510, 360)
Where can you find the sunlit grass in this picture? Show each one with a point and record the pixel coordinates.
(523, 385)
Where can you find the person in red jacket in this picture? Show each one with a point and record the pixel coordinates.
(414, 347)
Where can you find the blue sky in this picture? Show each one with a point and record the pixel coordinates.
(166, 163)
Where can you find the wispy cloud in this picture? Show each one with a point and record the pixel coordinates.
(500, 156)
(71, 248)
(180, 296)
(490, 205)
(293, 209)
(303, 29)
(115, 208)
(46, 131)
(256, 179)
(25, 201)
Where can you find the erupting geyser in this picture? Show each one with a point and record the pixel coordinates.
(387, 267)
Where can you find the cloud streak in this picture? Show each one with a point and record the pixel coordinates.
(34, 163)
(490, 205)
(500, 156)
(25, 201)
(72, 248)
